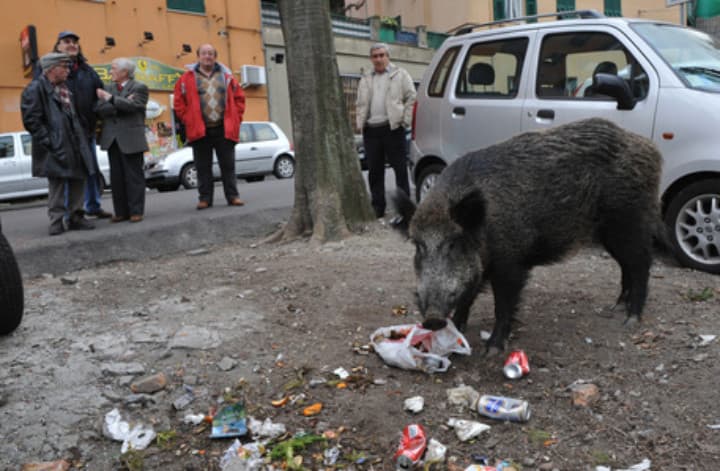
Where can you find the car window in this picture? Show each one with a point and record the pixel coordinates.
(492, 69)
(569, 61)
(7, 146)
(442, 72)
(245, 133)
(26, 143)
(264, 132)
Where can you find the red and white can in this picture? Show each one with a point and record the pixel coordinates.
(517, 365)
(411, 448)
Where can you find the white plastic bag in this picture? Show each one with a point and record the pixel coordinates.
(138, 437)
(412, 347)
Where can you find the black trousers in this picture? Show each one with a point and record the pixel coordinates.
(128, 182)
(203, 156)
(383, 145)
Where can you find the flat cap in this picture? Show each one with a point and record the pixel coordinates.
(52, 59)
(67, 34)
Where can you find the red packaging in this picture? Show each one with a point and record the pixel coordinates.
(517, 365)
(412, 446)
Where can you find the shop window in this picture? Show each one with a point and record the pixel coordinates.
(193, 6)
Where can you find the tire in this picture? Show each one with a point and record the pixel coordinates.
(256, 178)
(11, 289)
(188, 176)
(693, 223)
(167, 187)
(284, 167)
(427, 180)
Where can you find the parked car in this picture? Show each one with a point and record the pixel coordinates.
(484, 87)
(360, 148)
(16, 180)
(11, 288)
(263, 150)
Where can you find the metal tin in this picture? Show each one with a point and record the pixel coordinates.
(504, 408)
(517, 365)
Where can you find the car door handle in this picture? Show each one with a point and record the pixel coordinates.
(459, 110)
(253, 148)
(546, 114)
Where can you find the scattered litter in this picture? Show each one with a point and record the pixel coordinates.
(288, 447)
(516, 365)
(229, 422)
(280, 402)
(136, 438)
(584, 394)
(317, 382)
(412, 446)
(644, 465)
(484, 335)
(185, 399)
(467, 429)
(331, 456)
(706, 339)
(247, 457)
(464, 396)
(341, 373)
(195, 419)
(504, 408)
(413, 347)
(312, 410)
(266, 428)
(414, 404)
(714, 427)
(435, 453)
(60, 465)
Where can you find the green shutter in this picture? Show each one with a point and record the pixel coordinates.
(498, 10)
(613, 8)
(531, 9)
(195, 6)
(565, 5)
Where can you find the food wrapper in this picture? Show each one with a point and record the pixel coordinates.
(413, 347)
(229, 422)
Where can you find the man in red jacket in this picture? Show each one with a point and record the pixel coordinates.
(210, 103)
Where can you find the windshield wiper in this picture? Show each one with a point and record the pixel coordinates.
(714, 73)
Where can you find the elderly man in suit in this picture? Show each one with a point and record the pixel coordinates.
(122, 110)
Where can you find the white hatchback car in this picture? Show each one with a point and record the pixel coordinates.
(263, 150)
(16, 180)
(656, 79)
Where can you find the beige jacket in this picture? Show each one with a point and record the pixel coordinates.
(399, 98)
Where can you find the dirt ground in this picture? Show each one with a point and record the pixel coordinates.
(260, 322)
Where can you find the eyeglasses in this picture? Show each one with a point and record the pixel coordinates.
(379, 54)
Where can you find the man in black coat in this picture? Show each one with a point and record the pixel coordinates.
(60, 149)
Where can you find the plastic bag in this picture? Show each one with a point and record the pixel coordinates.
(412, 347)
(137, 437)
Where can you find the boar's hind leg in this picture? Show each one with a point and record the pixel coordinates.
(631, 248)
(507, 283)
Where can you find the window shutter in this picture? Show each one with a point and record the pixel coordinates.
(498, 10)
(194, 6)
(565, 5)
(531, 9)
(613, 8)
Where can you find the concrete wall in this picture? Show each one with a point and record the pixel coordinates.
(232, 26)
(352, 58)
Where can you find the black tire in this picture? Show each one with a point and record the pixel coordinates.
(693, 225)
(11, 289)
(188, 176)
(284, 167)
(426, 180)
(167, 187)
(256, 178)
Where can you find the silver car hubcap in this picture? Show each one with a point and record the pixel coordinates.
(191, 177)
(698, 229)
(285, 168)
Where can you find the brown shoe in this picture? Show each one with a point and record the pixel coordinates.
(136, 218)
(236, 202)
(202, 205)
(118, 218)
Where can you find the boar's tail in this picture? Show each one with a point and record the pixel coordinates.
(405, 209)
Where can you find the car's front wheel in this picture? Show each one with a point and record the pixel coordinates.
(11, 289)
(427, 179)
(188, 176)
(693, 221)
(284, 167)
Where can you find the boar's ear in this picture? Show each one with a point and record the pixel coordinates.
(405, 209)
(469, 212)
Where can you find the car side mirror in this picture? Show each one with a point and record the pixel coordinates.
(614, 87)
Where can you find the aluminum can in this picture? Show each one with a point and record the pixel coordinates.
(411, 448)
(516, 366)
(504, 408)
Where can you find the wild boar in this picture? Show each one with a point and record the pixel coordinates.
(496, 213)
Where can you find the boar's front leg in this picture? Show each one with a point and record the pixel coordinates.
(507, 282)
(465, 302)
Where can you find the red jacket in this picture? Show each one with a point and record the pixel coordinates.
(186, 102)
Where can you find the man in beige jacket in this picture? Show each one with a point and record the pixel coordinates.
(384, 111)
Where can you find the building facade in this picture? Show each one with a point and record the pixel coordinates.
(160, 36)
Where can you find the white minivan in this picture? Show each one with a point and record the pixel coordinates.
(657, 79)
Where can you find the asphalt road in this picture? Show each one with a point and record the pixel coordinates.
(171, 225)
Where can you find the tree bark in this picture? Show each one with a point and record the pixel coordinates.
(331, 199)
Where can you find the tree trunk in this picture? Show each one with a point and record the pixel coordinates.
(331, 199)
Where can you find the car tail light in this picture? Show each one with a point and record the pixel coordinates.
(414, 113)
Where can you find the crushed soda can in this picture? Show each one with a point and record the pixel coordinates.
(516, 366)
(411, 448)
(504, 408)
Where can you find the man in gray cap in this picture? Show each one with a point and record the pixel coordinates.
(60, 149)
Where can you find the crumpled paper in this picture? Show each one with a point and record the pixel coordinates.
(137, 437)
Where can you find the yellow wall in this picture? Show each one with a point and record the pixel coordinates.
(232, 26)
